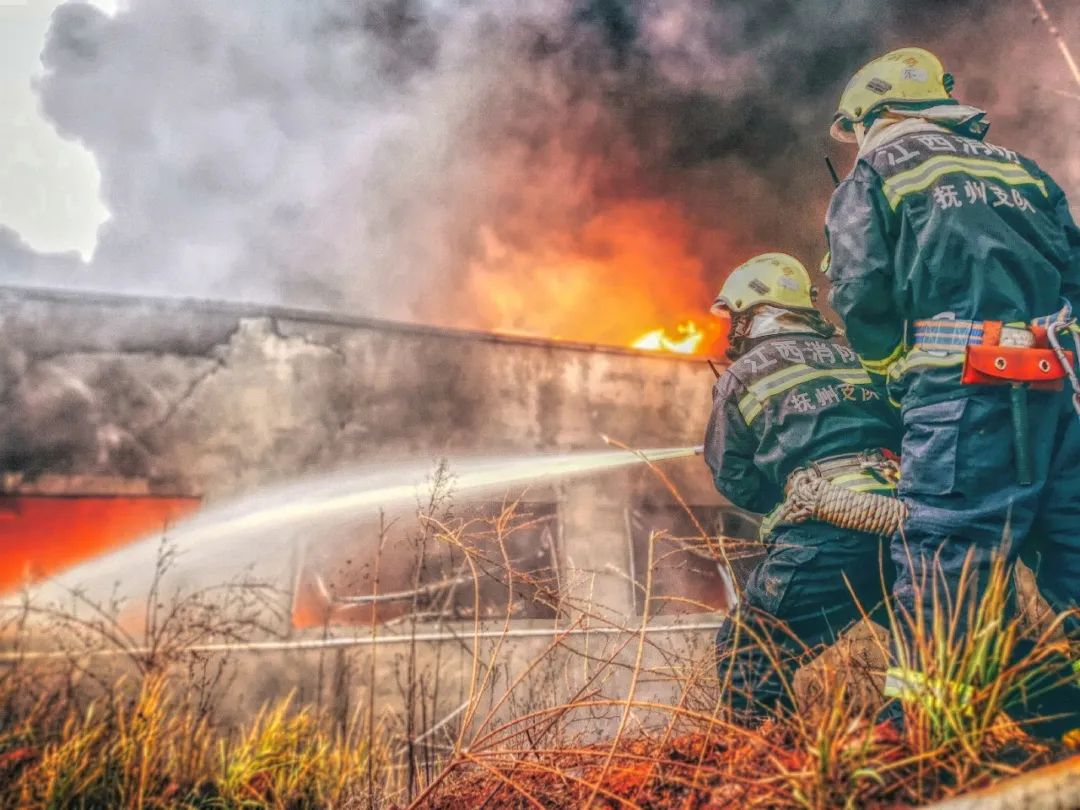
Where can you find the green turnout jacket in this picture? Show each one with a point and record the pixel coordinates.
(792, 399)
(932, 224)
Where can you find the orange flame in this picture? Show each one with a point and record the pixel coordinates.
(687, 340)
(628, 267)
(47, 534)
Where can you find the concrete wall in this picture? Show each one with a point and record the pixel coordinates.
(217, 399)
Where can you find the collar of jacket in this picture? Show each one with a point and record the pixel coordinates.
(960, 119)
(771, 321)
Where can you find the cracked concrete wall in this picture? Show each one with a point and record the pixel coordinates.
(215, 399)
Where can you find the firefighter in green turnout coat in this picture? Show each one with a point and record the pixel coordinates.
(794, 398)
(954, 265)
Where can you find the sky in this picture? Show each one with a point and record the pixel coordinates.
(48, 185)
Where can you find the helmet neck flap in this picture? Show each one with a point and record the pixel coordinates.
(767, 320)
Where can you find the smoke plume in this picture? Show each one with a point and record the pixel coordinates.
(575, 168)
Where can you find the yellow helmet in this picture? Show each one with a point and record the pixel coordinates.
(771, 278)
(908, 77)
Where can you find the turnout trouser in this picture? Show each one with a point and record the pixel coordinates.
(958, 479)
(959, 482)
(807, 590)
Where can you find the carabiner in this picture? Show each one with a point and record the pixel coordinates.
(1053, 335)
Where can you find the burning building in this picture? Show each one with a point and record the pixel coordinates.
(122, 415)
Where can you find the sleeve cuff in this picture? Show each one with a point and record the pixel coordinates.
(881, 367)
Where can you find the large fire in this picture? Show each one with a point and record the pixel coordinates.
(611, 281)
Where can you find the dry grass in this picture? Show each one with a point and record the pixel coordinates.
(140, 727)
(832, 753)
(143, 750)
(619, 718)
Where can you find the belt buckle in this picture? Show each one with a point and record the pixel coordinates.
(880, 468)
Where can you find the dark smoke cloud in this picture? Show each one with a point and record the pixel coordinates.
(409, 158)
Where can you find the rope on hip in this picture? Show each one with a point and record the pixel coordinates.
(812, 497)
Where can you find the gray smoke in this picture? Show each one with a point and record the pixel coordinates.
(492, 163)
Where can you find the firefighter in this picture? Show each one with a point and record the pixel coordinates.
(794, 401)
(954, 265)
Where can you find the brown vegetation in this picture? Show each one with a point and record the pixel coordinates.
(612, 717)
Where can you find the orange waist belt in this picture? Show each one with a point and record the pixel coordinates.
(989, 363)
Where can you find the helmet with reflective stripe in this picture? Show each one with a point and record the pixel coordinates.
(908, 78)
(771, 278)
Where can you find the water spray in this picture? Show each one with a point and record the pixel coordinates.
(224, 541)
